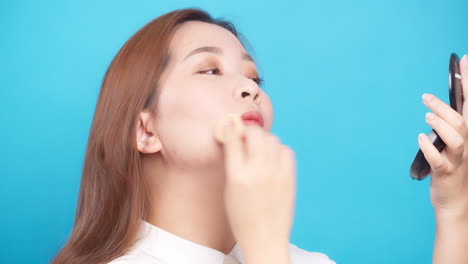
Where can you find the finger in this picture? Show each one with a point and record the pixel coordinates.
(287, 163)
(272, 148)
(254, 143)
(451, 137)
(464, 74)
(447, 113)
(233, 151)
(432, 155)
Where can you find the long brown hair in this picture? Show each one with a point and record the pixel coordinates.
(113, 196)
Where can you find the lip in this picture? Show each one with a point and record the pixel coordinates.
(253, 117)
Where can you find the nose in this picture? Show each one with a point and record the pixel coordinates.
(249, 91)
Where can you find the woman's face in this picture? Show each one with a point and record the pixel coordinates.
(198, 88)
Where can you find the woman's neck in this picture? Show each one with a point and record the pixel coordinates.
(191, 206)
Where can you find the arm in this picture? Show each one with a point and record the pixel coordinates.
(451, 241)
(449, 176)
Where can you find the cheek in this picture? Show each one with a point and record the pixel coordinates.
(185, 126)
(190, 146)
(267, 109)
(194, 150)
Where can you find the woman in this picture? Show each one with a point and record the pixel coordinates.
(157, 186)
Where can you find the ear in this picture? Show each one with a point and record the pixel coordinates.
(146, 137)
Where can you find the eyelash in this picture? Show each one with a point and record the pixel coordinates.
(257, 80)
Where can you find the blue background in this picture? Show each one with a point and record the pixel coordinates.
(345, 79)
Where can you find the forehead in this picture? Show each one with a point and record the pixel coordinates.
(194, 34)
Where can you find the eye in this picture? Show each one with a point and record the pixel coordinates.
(258, 80)
(214, 70)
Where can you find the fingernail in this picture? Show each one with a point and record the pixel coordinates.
(430, 116)
(427, 97)
(421, 136)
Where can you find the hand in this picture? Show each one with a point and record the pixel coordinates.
(449, 168)
(260, 189)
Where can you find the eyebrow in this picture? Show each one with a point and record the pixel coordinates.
(218, 51)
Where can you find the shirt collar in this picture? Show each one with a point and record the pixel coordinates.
(174, 249)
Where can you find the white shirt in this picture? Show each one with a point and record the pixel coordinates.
(158, 246)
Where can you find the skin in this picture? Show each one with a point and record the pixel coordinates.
(229, 190)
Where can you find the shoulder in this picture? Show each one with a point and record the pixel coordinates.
(136, 257)
(301, 256)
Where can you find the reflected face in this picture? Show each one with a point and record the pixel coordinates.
(208, 76)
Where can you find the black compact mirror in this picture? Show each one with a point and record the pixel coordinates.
(420, 167)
